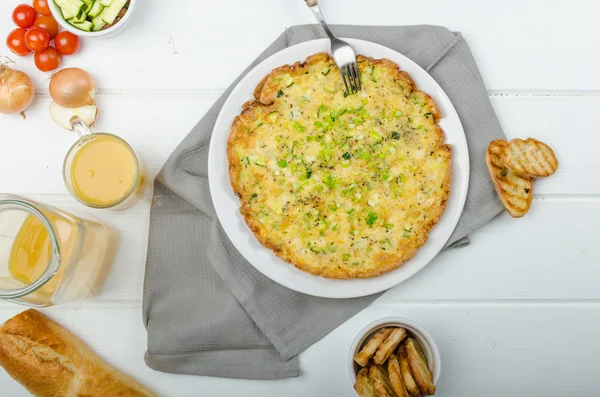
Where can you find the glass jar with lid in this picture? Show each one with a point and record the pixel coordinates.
(48, 256)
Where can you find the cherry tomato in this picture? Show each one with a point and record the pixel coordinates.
(16, 42)
(37, 39)
(42, 7)
(24, 16)
(49, 24)
(66, 43)
(47, 60)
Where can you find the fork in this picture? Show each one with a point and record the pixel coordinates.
(342, 52)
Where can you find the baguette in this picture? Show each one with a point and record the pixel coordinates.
(49, 361)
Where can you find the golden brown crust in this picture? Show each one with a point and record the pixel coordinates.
(409, 381)
(362, 358)
(515, 190)
(421, 133)
(419, 368)
(395, 375)
(390, 344)
(51, 362)
(381, 381)
(530, 157)
(364, 385)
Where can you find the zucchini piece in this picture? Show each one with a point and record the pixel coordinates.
(85, 26)
(106, 3)
(77, 3)
(80, 17)
(66, 14)
(110, 13)
(88, 6)
(97, 23)
(96, 9)
(67, 6)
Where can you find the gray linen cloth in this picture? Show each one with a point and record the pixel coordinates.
(206, 309)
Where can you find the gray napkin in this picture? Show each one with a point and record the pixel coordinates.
(207, 310)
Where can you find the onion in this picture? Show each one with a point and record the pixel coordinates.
(62, 116)
(16, 89)
(72, 88)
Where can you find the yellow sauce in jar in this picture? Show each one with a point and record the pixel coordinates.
(103, 171)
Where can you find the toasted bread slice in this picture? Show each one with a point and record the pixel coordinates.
(409, 381)
(381, 381)
(364, 385)
(530, 157)
(390, 344)
(419, 368)
(363, 357)
(515, 191)
(395, 375)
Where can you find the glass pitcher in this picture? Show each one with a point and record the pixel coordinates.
(48, 256)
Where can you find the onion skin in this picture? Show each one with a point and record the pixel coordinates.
(72, 88)
(16, 90)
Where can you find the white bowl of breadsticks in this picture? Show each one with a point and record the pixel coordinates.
(394, 357)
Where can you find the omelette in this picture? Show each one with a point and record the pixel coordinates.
(341, 186)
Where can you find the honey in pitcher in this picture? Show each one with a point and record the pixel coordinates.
(85, 251)
(104, 170)
(32, 247)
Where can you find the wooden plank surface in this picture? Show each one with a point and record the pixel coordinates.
(515, 313)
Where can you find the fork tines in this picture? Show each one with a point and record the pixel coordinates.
(351, 78)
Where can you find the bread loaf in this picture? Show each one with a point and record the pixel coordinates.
(49, 361)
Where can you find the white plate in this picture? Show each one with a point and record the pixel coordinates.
(227, 204)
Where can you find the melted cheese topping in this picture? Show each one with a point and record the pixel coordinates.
(340, 186)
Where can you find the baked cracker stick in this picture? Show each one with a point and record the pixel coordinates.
(363, 357)
(390, 344)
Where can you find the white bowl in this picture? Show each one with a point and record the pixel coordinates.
(110, 32)
(422, 337)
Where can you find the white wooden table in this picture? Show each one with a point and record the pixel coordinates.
(515, 313)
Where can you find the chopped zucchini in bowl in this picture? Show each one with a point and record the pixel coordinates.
(92, 15)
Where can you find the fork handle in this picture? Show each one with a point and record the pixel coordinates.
(314, 6)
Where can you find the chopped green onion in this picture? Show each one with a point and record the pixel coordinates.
(326, 72)
(273, 116)
(365, 156)
(350, 211)
(335, 227)
(345, 257)
(395, 135)
(329, 181)
(299, 127)
(347, 156)
(375, 135)
(388, 226)
(280, 94)
(371, 219)
(282, 163)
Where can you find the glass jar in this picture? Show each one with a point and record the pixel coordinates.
(48, 256)
(101, 170)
